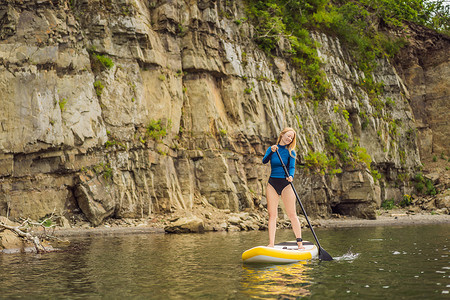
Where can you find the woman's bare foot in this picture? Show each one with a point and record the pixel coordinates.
(300, 246)
(270, 246)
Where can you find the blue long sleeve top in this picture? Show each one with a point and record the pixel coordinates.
(277, 168)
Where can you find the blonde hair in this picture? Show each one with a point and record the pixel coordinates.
(293, 143)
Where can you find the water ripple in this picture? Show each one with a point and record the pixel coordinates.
(348, 256)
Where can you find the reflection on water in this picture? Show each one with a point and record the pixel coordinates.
(410, 262)
(279, 281)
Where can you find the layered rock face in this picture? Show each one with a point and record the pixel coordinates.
(182, 115)
(424, 67)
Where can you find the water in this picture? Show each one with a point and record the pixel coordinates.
(410, 262)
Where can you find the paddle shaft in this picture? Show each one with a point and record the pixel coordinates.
(300, 202)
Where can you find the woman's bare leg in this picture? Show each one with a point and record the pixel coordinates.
(288, 197)
(272, 207)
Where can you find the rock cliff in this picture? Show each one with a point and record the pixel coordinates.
(130, 108)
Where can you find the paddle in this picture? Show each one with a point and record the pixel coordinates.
(323, 255)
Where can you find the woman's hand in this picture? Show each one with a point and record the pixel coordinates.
(290, 178)
(274, 148)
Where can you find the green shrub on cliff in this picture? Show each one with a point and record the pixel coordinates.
(98, 85)
(105, 169)
(433, 14)
(338, 143)
(318, 162)
(99, 61)
(388, 204)
(406, 201)
(347, 153)
(62, 104)
(279, 22)
(424, 185)
(105, 61)
(156, 130)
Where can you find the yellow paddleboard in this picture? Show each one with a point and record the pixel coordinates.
(283, 253)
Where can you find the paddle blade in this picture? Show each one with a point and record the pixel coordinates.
(323, 255)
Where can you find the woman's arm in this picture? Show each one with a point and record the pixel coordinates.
(267, 156)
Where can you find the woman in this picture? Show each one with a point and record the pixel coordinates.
(279, 184)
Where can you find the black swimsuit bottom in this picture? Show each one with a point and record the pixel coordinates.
(278, 184)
